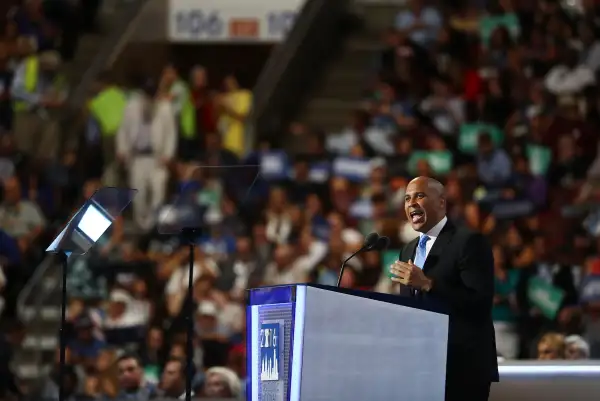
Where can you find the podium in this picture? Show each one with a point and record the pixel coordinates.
(308, 342)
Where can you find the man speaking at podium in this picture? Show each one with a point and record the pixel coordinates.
(454, 266)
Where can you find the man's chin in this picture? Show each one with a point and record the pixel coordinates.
(418, 226)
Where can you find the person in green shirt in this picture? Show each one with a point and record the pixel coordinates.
(504, 311)
(501, 15)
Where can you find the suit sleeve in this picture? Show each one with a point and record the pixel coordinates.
(473, 296)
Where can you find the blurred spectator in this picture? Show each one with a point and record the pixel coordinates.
(241, 269)
(505, 311)
(493, 164)
(131, 380)
(590, 56)
(74, 376)
(551, 346)
(107, 110)
(122, 311)
(203, 103)
(570, 168)
(444, 107)
(353, 140)
(282, 269)
(279, 224)
(221, 382)
(172, 382)
(419, 22)
(86, 347)
(174, 89)
(146, 145)
(569, 77)
(153, 354)
(577, 348)
(70, 384)
(21, 218)
(106, 374)
(176, 288)
(39, 92)
(234, 107)
(589, 300)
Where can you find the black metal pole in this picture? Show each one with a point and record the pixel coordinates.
(62, 330)
(190, 325)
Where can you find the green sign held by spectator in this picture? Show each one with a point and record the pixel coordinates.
(539, 158)
(469, 133)
(490, 23)
(440, 161)
(546, 297)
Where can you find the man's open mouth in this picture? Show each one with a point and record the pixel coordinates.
(417, 216)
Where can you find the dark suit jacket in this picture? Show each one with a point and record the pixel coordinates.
(461, 266)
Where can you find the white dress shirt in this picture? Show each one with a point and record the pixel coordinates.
(433, 234)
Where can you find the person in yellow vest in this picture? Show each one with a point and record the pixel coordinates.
(107, 108)
(38, 92)
(234, 106)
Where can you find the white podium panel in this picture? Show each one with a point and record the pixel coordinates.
(358, 349)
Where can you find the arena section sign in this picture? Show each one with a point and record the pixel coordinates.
(231, 20)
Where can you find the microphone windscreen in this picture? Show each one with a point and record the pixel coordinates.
(371, 240)
(382, 243)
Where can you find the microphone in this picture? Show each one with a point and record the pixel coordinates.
(382, 243)
(372, 242)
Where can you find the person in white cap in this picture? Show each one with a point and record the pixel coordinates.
(121, 312)
(577, 348)
(222, 382)
(208, 325)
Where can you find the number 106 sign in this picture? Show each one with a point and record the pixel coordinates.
(232, 20)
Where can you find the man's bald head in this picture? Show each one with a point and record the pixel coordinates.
(424, 203)
(432, 183)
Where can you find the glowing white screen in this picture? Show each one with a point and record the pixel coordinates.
(94, 223)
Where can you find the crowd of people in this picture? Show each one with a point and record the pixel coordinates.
(36, 38)
(500, 103)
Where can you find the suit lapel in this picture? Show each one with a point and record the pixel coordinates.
(437, 250)
(411, 247)
(408, 253)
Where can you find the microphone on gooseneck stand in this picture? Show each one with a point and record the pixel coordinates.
(372, 242)
(382, 244)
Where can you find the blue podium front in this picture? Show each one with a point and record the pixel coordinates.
(274, 327)
(307, 342)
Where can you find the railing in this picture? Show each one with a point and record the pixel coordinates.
(34, 295)
(27, 294)
(288, 71)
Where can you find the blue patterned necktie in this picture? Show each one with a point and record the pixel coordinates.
(421, 253)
